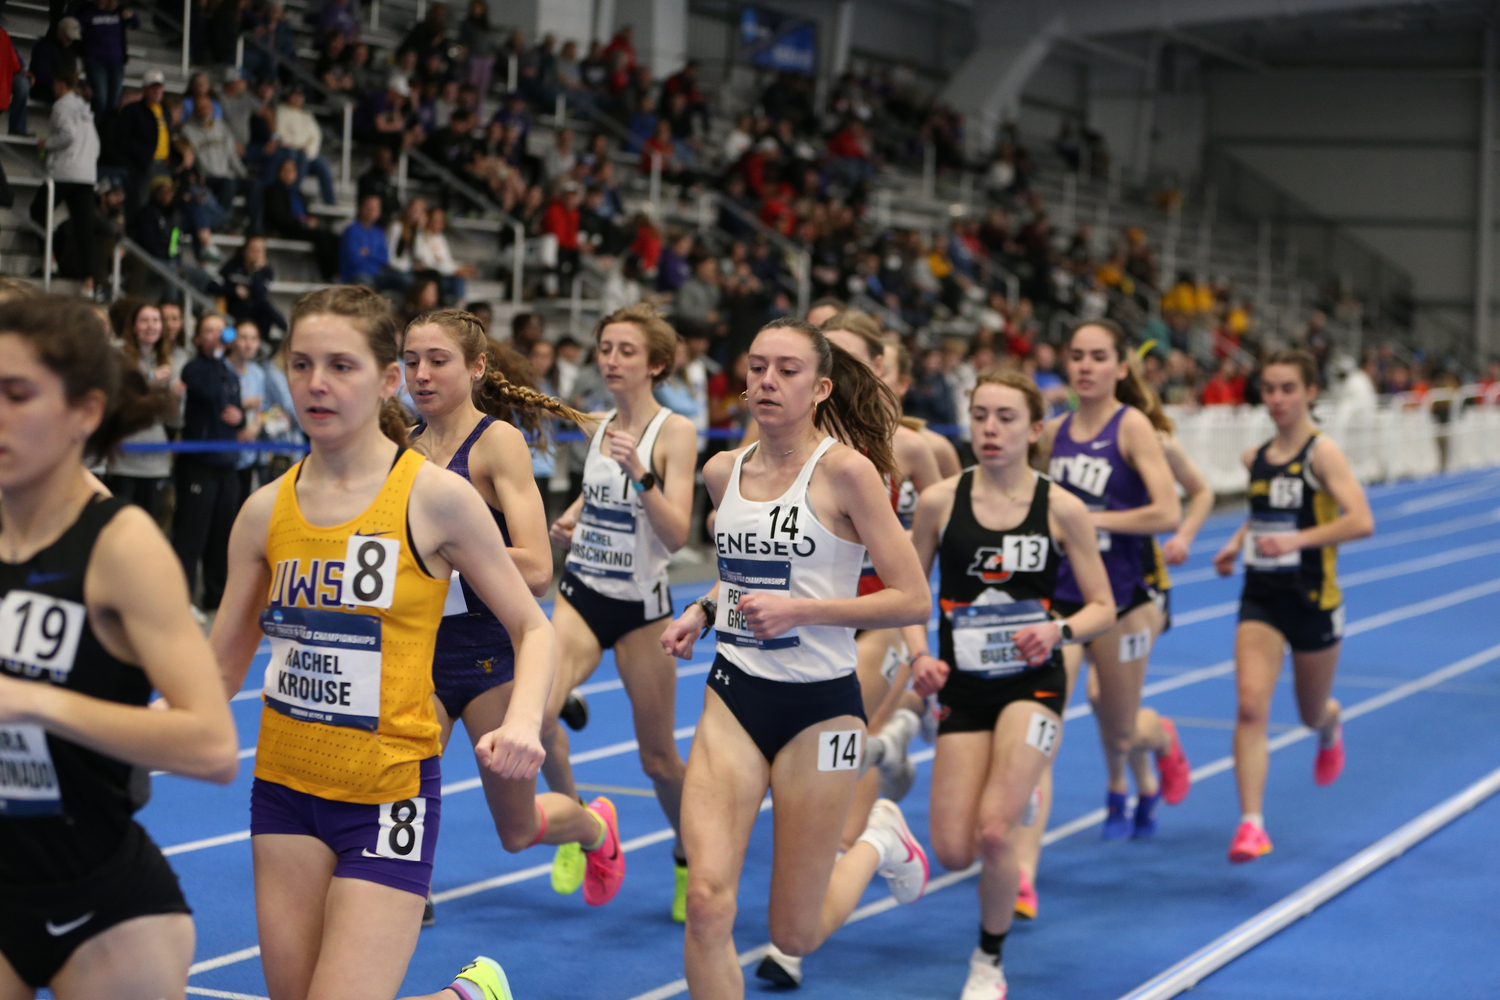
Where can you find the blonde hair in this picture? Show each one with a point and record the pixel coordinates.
(862, 325)
(661, 337)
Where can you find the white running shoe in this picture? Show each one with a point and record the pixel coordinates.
(930, 719)
(897, 772)
(986, 979)
(780, 968)
(903, 862)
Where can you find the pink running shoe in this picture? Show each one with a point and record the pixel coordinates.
(1173, 769)
(1330, 761)
(1026, 898)
(1249, 843)
(605, 865)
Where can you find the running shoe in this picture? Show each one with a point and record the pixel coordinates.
(930, 719)
(482, 979)
(1330, 761)
(568, 867)
(1249, 843)
(905, 866)
(1145, 817)
(780, 969)
(897, 771)
(429, 915)
(1117, 825)
(606, 863)
(1172, 766)
(1026, 898)
(679, 894)
(575, 711)
(986, 979)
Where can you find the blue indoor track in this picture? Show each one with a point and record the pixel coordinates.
(1422, 595)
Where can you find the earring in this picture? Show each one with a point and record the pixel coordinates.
(478, 377)
(745, 395)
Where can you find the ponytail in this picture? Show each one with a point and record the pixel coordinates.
(507, 389)
(861, 411)
(393, 420)
(1132, 390)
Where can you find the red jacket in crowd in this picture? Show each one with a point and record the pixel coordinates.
(846, 145)
(562, 222)
(1221, 391)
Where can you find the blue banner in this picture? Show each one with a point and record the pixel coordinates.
(773, 40)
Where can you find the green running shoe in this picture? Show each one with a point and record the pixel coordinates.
(568, 868)
(679, 895)
(486, 974)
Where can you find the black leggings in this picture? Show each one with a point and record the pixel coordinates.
(208, 498)
(143, 491)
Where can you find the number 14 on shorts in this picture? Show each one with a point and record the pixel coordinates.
(840, 751)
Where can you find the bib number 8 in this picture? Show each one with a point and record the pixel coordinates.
(370, 571)
(401, 830)
(840, 751)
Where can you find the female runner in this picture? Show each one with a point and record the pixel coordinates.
(1108, 455)
(996, 531)
(634, 512)
(1299, 484)
(345, 562)
(796, 513)
(94, 615)
(461, 382)
(897, 375)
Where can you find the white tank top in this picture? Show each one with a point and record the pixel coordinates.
(778, 546)
(615, 550)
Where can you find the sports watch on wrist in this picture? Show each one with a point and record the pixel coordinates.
(710, 612)
(647, 481)
(1064, 632)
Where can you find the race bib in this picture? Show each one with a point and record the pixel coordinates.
(895, 655)
(455, 603)
(402, 827)
(1041, 732)
(1286, 492)
(1025, 553)
(370, 571)
(739, 577)
(840, 751)
(40, 633)
(604, 543)
(1263, 527)
(324, 667)
(984, 636)
(1135, 645)
(28, 781)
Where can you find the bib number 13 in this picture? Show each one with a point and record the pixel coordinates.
(370, 571)
(840, 751)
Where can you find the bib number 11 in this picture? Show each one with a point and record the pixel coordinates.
(840, 751)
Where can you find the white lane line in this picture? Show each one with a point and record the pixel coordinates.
(230, 959)
(1275, 918)
(616, 684)
(1220, 669)
(1091, 819)
(199, 991)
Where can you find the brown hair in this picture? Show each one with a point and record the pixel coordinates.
(15, 288)
(661, 338)
(368, 312)
(862, 326)
(861, 411)
(507, 391)
(1132, 390)
(1013, 378)
(1303, 361)
(69, 337)
(127, 334)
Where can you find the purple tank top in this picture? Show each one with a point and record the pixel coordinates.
(1098, 474)
(479, 627)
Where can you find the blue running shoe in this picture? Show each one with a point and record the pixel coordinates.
(1145, 817)
(1116, 824)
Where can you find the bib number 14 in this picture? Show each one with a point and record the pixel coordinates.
(840, 751)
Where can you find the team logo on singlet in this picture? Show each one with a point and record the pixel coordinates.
(989, 565)
(1017, 554)
(1085, 472)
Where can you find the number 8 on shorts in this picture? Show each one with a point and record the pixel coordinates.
(401, 829)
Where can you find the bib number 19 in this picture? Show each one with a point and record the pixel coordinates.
(840, 751)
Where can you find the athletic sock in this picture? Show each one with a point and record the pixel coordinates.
(679, 862)
(992, 944)
(878, 838)
(1257, 820)
(1330, 739)
(603, 834)
(875, 748)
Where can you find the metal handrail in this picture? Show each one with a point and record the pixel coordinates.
(308, 79)
(803, 256)
(34, 168)
(191, 296)
(518, 246)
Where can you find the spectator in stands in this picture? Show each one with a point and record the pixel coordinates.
(425, 295)
(1226, 387)
(141, 477)
(104, 51)
(275, 33)
(675, 158)
(727, 409)
(154, 225)
(698, 298)
(526, 331)
(560, 159)
(335, 17)
(380, 119)
(930, 397)
(431, 252)
(479, 40)
(199, 90)
(428, 33)
(244, 282)
(364, 255)
(238, 104)
(513, 114)
(560, 220)
(240, 354)
(642, 123)
(401, 234)
(201, 212)
(597, 229)
(672, 267)
(287, 217)
(301, 134)
(449, 145)
(208, 489)
(53, 52)
(145, 131)
(379, 181)
(72, 147)
(108, 223)
(15, 85)
(332, 67)
(221, 165)
(851, 153)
